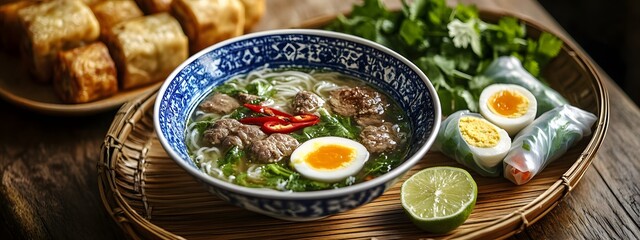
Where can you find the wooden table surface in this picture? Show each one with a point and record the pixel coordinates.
(49, 177)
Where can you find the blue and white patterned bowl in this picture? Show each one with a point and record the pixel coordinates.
(311, 49)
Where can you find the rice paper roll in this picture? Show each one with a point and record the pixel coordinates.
(546, 139)
(253, 11)
(473, 142)
(147, 49)
(206, 22)
(110, 13)
(85, 74)
(508, 69)
(52, 26)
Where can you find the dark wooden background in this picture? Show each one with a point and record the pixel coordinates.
(609, 32)
(49, 177)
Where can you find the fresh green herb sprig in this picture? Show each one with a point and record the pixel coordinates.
(451, 45)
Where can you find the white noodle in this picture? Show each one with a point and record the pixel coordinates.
(286, 85)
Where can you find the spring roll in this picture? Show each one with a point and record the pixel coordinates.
(52, 26)
(10, 26)
(546, 139)
(253, 11)
(508, 69)
(147, 49)
(85, 74)
(473, 142)
(154, 6)
(110, 13)
(209, 21)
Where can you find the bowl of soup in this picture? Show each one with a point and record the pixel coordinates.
(297, 124)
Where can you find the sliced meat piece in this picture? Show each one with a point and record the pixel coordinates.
(219, 130)
(357, 101)
(285, 143)
(306, 102)
(249, 133)
(230, 132)
(379, 139)
(219, 103)
(273, 148)
(230, 141)
(248, 98)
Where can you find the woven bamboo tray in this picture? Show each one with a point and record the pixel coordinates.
(149, 196)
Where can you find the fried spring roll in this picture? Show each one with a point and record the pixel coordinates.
(10, 26)
(92, 2)
(147, 49)
(110, 13)
(85, 74)
(154, 6)
(52, 26)
(253, 11)
(209, 21)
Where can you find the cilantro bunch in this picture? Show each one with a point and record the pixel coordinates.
(451, 45)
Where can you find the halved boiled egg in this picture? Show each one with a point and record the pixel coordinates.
(508, 106)
(329, 159)
(488, 143)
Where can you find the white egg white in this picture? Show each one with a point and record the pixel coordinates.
(511, 125)
(299, 163)
(489, 157)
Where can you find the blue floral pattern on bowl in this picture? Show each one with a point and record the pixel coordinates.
(308, 49)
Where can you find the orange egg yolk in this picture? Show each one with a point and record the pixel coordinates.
(509, 104)
(330, 156)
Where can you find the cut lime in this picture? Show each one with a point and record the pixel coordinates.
(439, 199)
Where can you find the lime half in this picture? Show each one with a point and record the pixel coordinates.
(439, 199)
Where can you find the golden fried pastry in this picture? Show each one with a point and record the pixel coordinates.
(92, 2)
(147, 49)
(109, 13)
(209, 21)
(51, 26)
(10, 26)
(154, 6)
(9, 1)
(253, 11)
(85, 74)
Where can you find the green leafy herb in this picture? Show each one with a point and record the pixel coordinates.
(229, 89)
(276, 174)
(241, 113)
(383, 163)
(452, 46)
(260, 88)
(228, 164)
(330, 125)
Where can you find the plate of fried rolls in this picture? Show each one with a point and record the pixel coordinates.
(77, 57)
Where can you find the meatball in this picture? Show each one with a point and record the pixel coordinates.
(273, 148)
(306, 102)
(219, 103)
(248, 98)
(379, 139)
(219, 130)
(357, 101)
(230, 132)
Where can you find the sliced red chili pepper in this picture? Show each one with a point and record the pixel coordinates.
(262, 120)
(266, 110)
(303, 118)
(280, 127)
